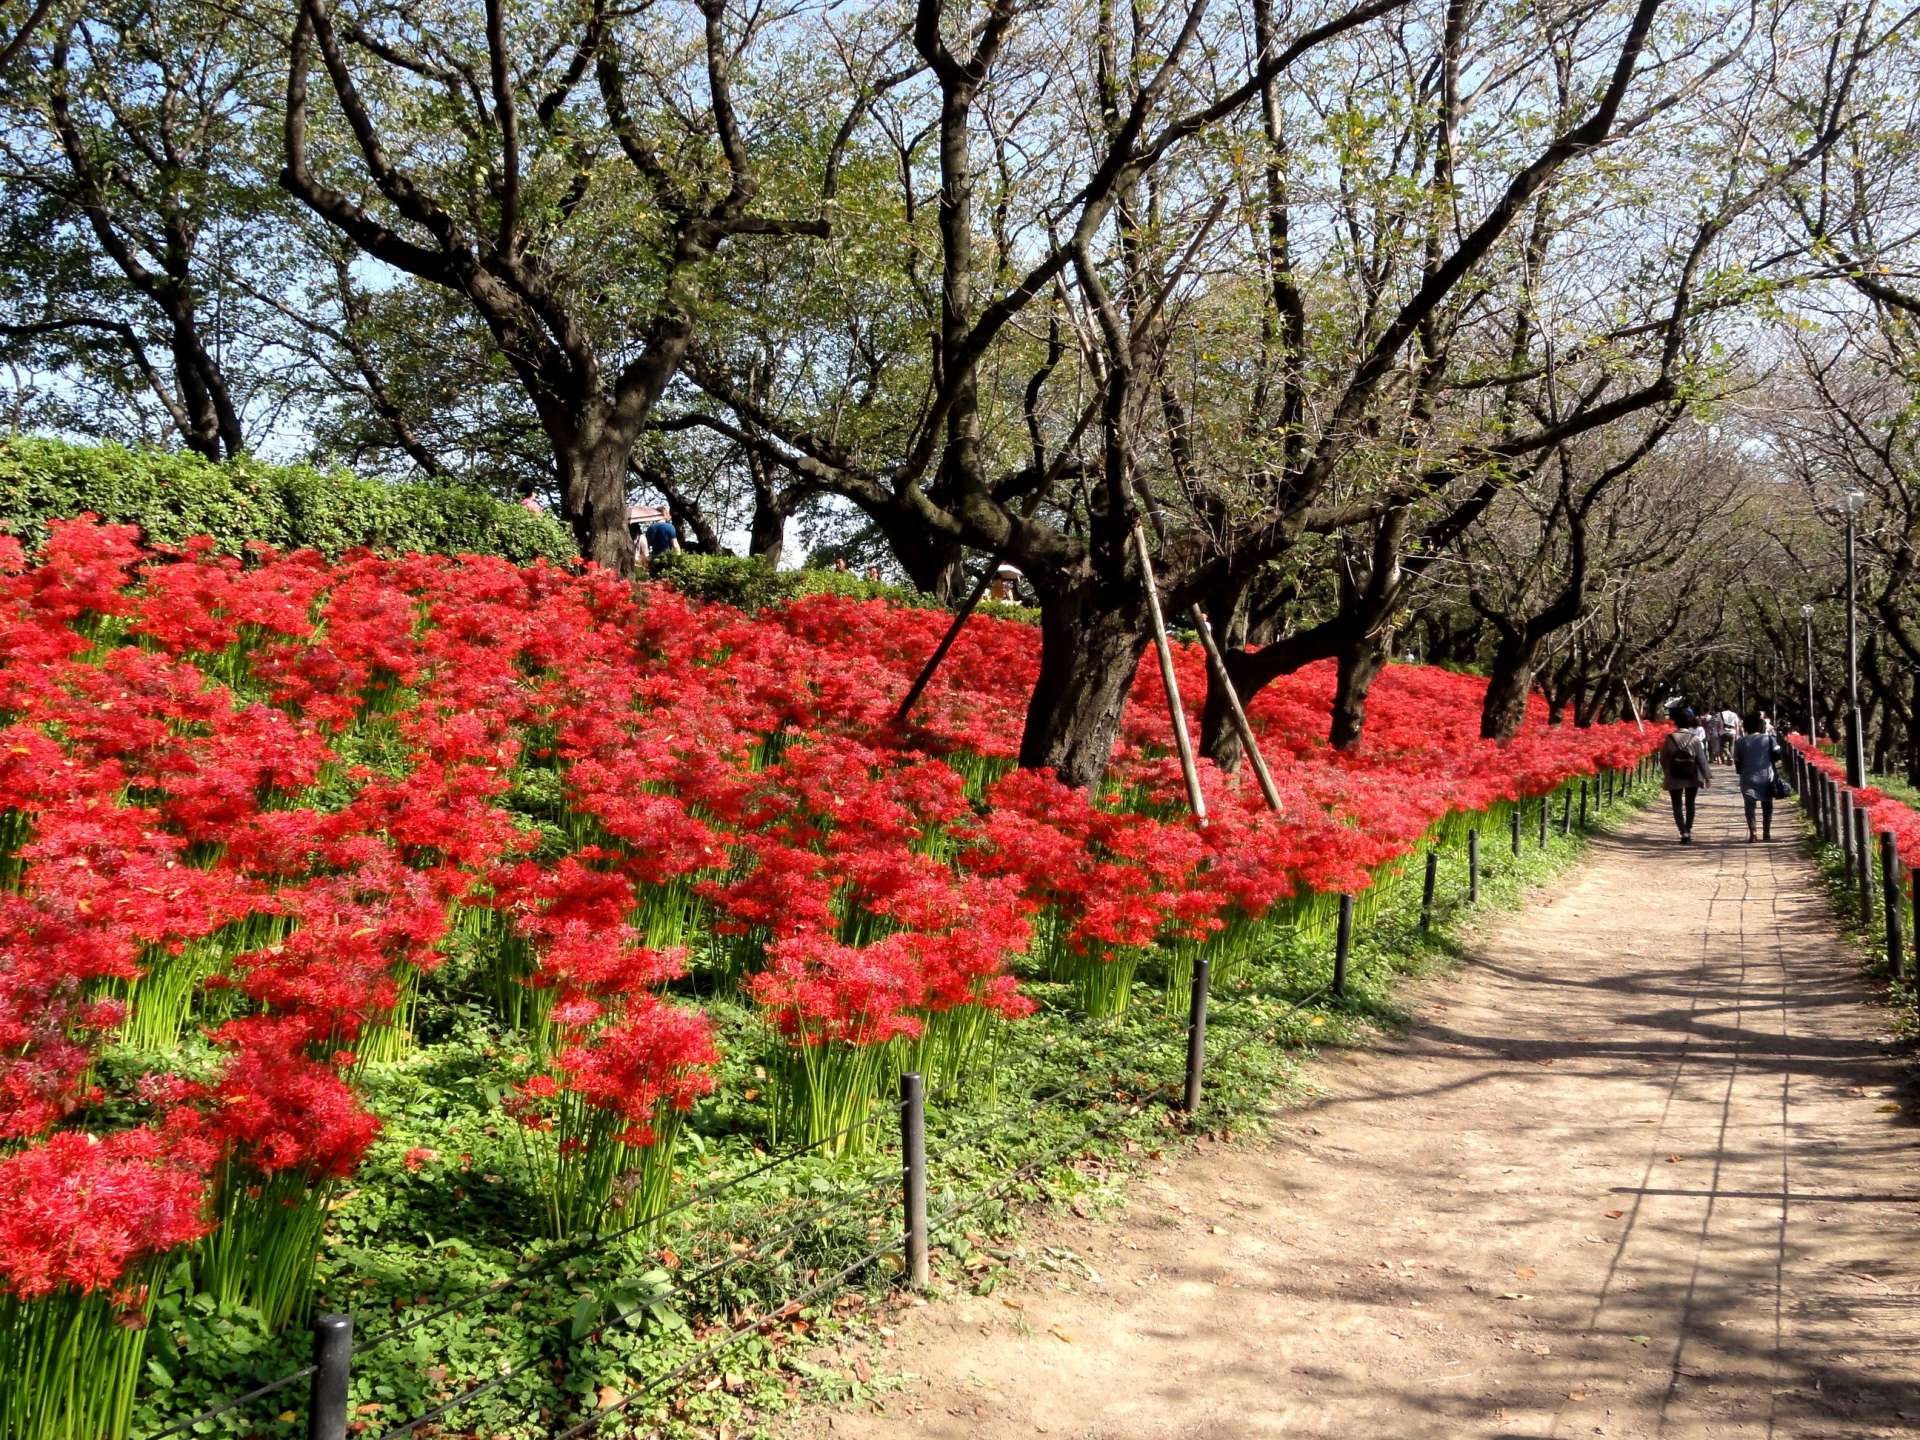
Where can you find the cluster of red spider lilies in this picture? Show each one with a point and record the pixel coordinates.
(248, 808)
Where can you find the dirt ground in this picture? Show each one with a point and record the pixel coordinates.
(1641, 1168)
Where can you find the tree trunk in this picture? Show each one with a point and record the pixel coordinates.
(950, 579)
(1360, 663)
(593, 490)
(1088, 658)
(1219, 740)
(767, 538)
(1913, 734)
(1227, 611)
(1508, 681)
(213, 425)
(1591, 700)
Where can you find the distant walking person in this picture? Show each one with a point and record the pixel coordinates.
(1754, 756)
(1685, 770)
(1730, 733)
(1712, 729)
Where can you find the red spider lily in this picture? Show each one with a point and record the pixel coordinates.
(86, 1224)
(272, 1112)
(83, 1212)
(601, 1123)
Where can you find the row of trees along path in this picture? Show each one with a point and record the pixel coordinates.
(1641, 1168)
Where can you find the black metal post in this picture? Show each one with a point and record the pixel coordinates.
(1566, 810)
(1863, 865)
(1197, 1033)
(1426, 890)
(1846, 827)
(1583, 804)
(1342, 941)
(332, 1361)
(913, 1177)
(1546, 804)
(1473, 867)
(1516, 828)
(1913, 886)
(1890, 896)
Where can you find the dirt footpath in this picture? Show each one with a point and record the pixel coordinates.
(1641, 1169)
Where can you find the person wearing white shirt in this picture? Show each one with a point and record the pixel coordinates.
(1730, 731)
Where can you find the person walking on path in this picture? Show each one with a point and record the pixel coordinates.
(1711, 730)
(1730, 733)
(1685, 770)
(1754, 756)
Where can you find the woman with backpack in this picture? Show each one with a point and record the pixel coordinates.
(1685, 770)
(1754, 756)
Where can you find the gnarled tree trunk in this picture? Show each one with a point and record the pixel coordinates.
(767, 536)
(1509, 679)
(1361, 660)
(1089, 654)
(593, 490)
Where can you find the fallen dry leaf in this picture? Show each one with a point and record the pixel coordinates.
(1615, 1214)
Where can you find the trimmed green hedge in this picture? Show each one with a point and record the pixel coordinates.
(173, 497)
(753, 584)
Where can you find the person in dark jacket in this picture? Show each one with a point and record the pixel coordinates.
(1754, 756)
(1685, 770)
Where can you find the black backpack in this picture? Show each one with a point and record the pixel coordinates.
(1683, 764)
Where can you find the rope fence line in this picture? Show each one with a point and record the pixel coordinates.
(547, 1261)
(333, 1348)
(257, 1393)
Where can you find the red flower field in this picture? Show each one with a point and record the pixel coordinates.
(248, 809)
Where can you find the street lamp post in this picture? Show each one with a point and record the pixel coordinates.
(1856, 743)
(1813, 720)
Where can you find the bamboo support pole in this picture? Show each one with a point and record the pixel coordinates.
(925, 676)
(1168, 680)
(1242, 726)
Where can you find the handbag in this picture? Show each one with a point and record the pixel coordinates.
(1782, 786)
